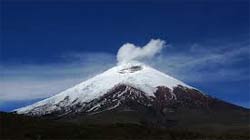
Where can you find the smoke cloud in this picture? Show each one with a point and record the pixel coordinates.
(130, 52)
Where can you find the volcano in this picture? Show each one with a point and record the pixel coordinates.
(137, 93)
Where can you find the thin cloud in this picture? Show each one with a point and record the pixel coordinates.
(207, 64)
(28, 89)
(27, 81)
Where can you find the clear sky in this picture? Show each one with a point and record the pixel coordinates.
(49, 46)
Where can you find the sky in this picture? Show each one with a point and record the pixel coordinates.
(49, 46)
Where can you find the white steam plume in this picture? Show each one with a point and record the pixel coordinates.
(130, 52)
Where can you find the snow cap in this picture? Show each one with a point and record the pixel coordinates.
(130, 52)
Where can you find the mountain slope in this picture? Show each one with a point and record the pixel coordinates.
(139, 76)
(139, 94)
(189, 108)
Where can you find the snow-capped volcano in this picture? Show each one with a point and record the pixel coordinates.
(136, 75)
(132, 92)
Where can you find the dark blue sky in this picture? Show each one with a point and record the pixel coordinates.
(39, 33)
